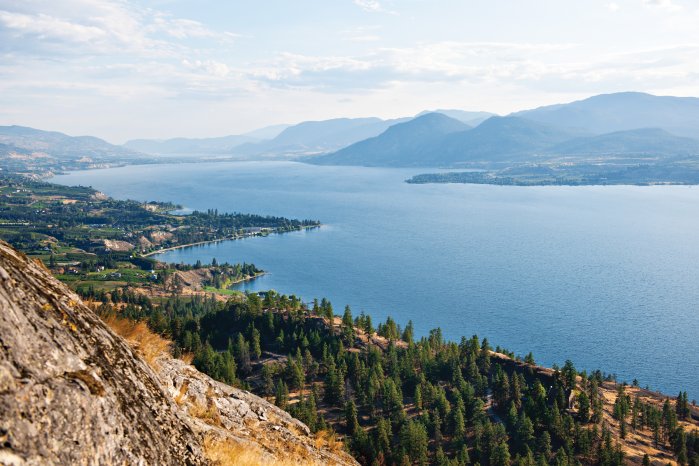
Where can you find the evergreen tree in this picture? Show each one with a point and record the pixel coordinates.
(583, 407)
(281, 397)
(256, 346)
(351, 422)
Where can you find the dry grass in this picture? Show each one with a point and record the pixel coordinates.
(147, 344)
(180, 397)
(208, 414)
(187, 357)
(328, 440)
(640, 442)
(227, 452)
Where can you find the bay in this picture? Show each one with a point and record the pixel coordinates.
(605, 276)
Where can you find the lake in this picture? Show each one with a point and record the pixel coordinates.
(605, 276)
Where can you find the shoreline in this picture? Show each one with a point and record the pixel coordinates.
(229, 238)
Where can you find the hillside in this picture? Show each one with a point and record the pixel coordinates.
(403, 144)
(222, 145)
(73, 392)
(622, 111)
(189, 146)
(314, 137)
(647, 142)
(435, 140)
(498, 139)
(401, 400)
(464, 116)
(30, 150)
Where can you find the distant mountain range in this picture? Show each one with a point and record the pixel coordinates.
(203, 146)
(622, 111)
(470, 118)
(407, 143)
(644, 142)
(618, 126)
(188, 146)
(33, 151)
(29, 140)
(615, 126)
(315, 137)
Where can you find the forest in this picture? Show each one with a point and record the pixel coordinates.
(397, 399)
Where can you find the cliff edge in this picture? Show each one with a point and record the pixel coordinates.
(74, 392)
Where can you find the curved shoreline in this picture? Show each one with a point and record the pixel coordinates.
(229, 238)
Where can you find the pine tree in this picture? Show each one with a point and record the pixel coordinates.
(459, 427)
(282, 394)
(418, 398)
(256, 346)
(583, 407)
(348, 326)
(351, 422)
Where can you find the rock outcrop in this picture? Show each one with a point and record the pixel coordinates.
(226, 414)
(71, 391)
(74, 392)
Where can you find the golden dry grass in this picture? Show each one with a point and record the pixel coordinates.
(227, 452)
(328, 440)
(147, 344)
(187, 357)
(208, 414)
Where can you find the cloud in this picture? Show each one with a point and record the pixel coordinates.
(613, 7)
(427, 63)
(487, 65)
(369, 5)
(99, 28)
(210, 67)
(669, 5)
(373, 6)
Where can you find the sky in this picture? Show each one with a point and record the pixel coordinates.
(124, 69)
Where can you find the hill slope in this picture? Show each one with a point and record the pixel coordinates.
(643, 142)
(60, 145)
(404, 144)
(29, 150)
(470, 118)
(498, 139)
(220, 145)
(435, 140)
(622, 111)
(313, 137)
(73, 392)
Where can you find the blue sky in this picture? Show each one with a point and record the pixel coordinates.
(122, 69)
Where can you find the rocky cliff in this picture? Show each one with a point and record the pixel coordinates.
(74, 392)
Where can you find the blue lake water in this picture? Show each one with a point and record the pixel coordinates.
(605, 276)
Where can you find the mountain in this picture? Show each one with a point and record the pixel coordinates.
(60, 145)
(653, 142)
(41, 153)
(439, 141)
(203, 146)
(313, 137)
(73, 391)
(498, 139)
(268, 132)
(620, 112)
(403, 144)
(189, 146)
(470, 118)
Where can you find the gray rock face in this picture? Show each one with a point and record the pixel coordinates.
(74, 393)
(71, 391)
(220, 411)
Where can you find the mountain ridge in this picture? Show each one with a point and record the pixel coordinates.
(404, 143)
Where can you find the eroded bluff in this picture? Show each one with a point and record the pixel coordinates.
(74, 392)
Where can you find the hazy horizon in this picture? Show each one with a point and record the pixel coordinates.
(127, 69)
